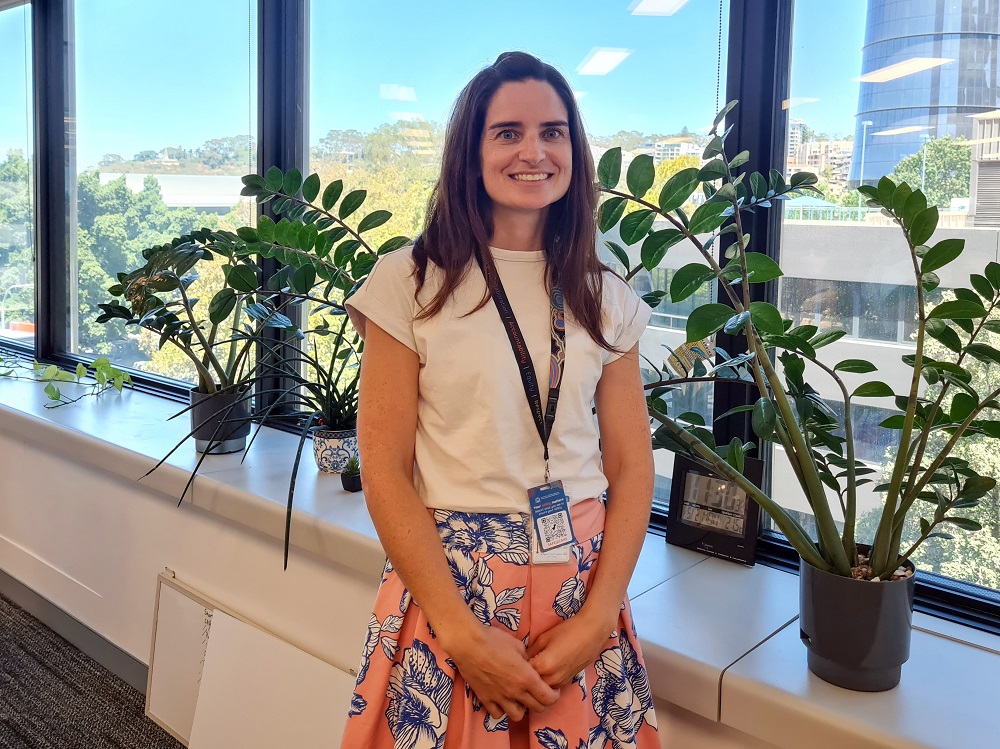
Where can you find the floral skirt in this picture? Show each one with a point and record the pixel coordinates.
(409, 695)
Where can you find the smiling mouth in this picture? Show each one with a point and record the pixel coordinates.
(530, 177)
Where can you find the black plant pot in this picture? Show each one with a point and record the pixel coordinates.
(226, 420)
(351, 483)
(857, 631)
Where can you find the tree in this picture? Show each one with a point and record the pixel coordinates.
(947, 174)
(146, 156)
(110, 158)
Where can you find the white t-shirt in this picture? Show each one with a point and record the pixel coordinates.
(477, 448)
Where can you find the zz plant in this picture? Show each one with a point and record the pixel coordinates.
(788, 411)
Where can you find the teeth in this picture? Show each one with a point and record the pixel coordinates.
(530, 177)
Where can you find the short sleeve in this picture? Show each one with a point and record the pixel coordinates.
(387, 298)
(627, 317)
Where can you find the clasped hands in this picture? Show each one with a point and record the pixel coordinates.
(509, 680)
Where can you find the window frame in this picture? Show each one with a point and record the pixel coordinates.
(758, 73)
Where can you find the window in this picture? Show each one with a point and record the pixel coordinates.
(159, 151)
(17, 267)
(878, 91)
(388, 141)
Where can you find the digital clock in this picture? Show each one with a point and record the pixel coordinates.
(711, 514)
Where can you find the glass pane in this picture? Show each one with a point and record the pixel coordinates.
(380, 126)
(17, 267)
(908, 89)
(160, 149)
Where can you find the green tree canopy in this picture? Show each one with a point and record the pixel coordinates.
(947, 174)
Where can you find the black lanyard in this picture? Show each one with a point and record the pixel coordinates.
(557, 329)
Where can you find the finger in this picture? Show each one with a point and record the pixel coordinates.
(496, 712)
(537, 646)
(528, 700)
(544, 692)
(514, 710)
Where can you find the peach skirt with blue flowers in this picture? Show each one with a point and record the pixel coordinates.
(409, 695)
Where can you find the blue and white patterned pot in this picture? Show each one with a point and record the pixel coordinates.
(333, 448)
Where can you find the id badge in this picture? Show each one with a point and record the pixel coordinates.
(552, 529)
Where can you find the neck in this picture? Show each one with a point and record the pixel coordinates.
(519, 231)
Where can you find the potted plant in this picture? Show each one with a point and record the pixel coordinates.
(218, 337)
(350, 478)
(105, 377)
(856, 599)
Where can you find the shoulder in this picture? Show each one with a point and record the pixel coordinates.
(397, 263)
(616, 291)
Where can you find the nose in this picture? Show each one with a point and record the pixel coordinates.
(532, 149)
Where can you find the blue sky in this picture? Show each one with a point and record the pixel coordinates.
(152, 74)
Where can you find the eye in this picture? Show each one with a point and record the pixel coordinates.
(554, 133)
(506, 135)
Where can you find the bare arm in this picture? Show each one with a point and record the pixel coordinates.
(494, 663)
(627, 455)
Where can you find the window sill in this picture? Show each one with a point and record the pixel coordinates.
(719, 639)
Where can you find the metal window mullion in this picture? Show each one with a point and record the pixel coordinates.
(757, 74)
(282, 123)
(52, 66)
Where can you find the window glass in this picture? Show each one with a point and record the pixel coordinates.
(17, 267)
(380, 126)
(159, 151)
(908, 89)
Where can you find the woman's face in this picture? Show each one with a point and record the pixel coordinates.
(526, 154)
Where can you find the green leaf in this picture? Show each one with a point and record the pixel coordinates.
(941, 254)
(609, 213)
(641, 174)
(983, 352)
(687, 280)
(915, 205)
(962, 405)
(265, 229)
(351, 202)
(899, 197)
(636, 225)
(964, 523)
(292, 182)
(886, 188)
(930, 281)
(761, 268)
(858, 366)
(247, 234)
(826, 338)
(874, 389)
(653, 298)
(678, 189)
(691, 417)
(939, 331)
(303, 279)
(373, 219)
(609, 169)
(713, 170)
(619, 252)
(723, 112)
(708, 217)
(923, 226)
(221, 306)
(957, 309)
(707, 320)
(893, 422)
(310, 188)
(332, 194)
(655, 246)
(993, 274)
(393, 244)
(739, 159)
(273, 179)
(982, 286)
(802, 179)
(766, 317)
(714, 148)
(734, 456)
(764, 418)
(242, 277)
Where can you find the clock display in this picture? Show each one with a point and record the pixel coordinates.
(714, 504)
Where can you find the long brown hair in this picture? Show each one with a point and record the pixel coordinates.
(459, 221)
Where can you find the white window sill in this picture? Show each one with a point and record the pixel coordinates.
(720, 640)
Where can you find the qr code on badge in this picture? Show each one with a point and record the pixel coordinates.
(554, 530)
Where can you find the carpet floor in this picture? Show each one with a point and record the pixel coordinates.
(53, 696)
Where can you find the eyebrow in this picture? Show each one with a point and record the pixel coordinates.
(502, 125)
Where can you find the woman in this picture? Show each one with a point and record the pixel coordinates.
(483, 634)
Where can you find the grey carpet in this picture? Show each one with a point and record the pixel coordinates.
(53, 696)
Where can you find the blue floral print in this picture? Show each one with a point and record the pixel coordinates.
(573, 592)
(358, 705)
(552, 738)
(621, 697)
(484, 533)
(419, 695)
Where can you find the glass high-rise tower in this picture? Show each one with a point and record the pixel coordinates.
(927, 66)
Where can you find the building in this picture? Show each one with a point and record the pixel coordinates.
(830, 157)
(796, 136)
(925, 76)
